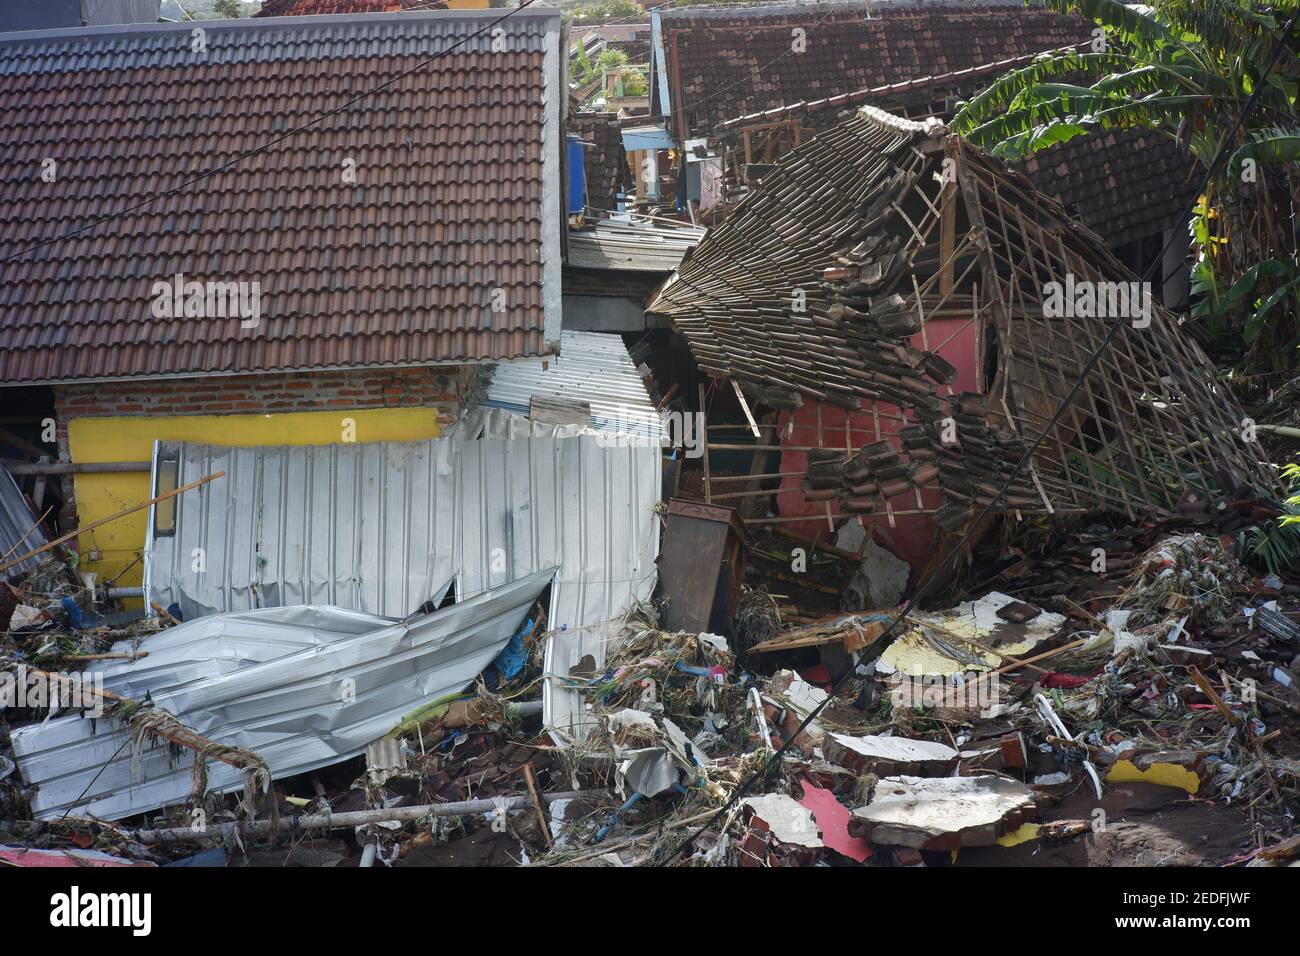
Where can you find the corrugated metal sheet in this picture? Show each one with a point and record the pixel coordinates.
(639, 247)
(592, 367)
(304, 687)
(563, 711)
(16, 519)
(379, 527)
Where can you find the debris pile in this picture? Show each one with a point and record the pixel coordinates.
(1038, 719)
(995, 726)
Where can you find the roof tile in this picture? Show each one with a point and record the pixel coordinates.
(725, 62)
(398, 268)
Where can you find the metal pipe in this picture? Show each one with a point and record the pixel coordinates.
(346, 821)
(523, 708)
(74, 468)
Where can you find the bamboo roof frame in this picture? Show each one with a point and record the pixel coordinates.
(814, 286)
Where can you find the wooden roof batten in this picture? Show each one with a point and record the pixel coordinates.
(821, 278)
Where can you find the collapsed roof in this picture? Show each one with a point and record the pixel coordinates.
(821, 283)
(1122, 184)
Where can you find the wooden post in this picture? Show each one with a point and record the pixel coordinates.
(704, 424)
(346, 821)
(947, 229)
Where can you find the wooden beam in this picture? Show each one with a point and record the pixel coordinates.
(744, 407)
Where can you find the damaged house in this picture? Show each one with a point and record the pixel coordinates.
(333, 369)
(388, 477)
(905, 313)
(348, 283)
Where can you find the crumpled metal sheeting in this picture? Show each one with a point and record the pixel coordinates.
(223, 644)
(379, 526)
(292, 708)
(592, 367)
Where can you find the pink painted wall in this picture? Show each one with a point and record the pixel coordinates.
(911, 537)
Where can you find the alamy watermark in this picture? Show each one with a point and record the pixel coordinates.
(627, 428)
(175, 298)
(76, 909)
(971, 689)
(39, 690)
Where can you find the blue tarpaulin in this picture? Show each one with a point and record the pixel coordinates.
(577, 176)
(512, 658)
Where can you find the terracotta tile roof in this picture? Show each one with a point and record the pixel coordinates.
(457, 169)
(303, 8)
(724, 62)
(911, 98)
(604, 160)
(1123, 184)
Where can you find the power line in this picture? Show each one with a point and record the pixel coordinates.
(320, 118)
(928, 583)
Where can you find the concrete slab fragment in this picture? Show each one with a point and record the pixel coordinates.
(943, 813)
(889, 756)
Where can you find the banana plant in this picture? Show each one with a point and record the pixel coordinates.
(1185, 69)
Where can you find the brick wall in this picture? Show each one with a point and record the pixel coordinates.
(445, 388)
(441, 387)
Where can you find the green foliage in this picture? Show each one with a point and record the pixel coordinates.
(611, 60)
(1275, 545)
(581, 71)
(1276, 145)
(1250, 292)
(635, 84)
(1185, 71)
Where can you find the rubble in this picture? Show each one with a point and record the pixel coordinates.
(890, 756)
(982, 725)
(943, 813)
